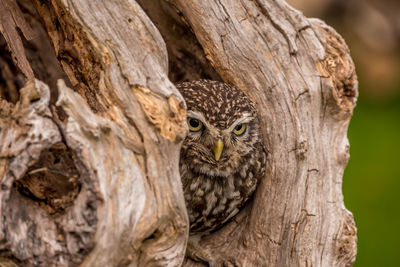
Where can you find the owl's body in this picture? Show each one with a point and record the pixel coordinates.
(222, 158)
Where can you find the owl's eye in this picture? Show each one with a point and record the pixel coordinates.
(195, 125)
(239, 129)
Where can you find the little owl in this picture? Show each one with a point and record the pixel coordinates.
(222, 158)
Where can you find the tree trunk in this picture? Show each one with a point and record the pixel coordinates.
(90, 175)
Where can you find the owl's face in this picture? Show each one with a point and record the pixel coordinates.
(223, 128)
(219, 151)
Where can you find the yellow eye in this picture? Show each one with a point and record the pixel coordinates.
(195, 125)
(239, 129)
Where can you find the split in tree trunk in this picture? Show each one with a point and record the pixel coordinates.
(89, 175)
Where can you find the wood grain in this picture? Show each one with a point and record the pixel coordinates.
(301, 75)
(119, 200)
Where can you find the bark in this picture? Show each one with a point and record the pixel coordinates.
(95, 180)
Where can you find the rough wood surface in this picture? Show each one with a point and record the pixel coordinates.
(11, 17)
(95, 181)
(185, 55)
(301, 75)
(39, 53)
(122, 127)
(22, 139)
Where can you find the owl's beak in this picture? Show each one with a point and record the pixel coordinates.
(218, 147)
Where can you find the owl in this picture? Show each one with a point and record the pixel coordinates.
(222, 158)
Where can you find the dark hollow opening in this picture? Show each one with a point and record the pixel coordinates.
(53, 181)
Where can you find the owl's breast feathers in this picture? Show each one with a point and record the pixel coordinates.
(212, 200)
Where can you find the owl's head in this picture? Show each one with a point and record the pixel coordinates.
(223, 128)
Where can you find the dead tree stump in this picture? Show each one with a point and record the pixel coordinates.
(89, 168)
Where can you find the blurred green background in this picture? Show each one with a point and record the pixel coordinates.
(372, 180)
(371, 183)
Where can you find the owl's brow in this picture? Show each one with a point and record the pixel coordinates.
(246, 118)
(196, 115)
(199, 116)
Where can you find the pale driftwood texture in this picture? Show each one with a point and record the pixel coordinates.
(110, 151)
(130, 207)
(301, 75)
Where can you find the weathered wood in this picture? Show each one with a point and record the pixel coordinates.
(110, 150)
(123, 128)
(39, 53)
(301, 75)
(185, 55)
(11, 17)
(24, 226)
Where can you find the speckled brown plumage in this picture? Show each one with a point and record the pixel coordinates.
(216, 189)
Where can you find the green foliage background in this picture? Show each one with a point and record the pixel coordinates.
(371, 182)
